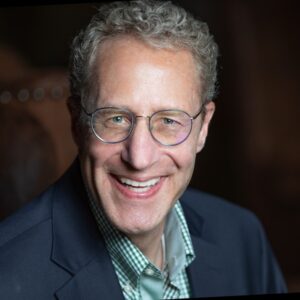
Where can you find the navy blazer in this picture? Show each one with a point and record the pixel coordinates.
(52, 249)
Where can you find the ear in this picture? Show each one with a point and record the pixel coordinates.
(209, 112)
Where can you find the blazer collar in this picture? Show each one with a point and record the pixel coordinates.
(78, 246)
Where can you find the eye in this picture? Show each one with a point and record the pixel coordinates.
(117, 119)
(168, 121)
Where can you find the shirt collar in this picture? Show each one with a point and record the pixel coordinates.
(179, 248)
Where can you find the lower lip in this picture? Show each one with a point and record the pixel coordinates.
(133, 194)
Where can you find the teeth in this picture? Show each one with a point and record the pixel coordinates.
(139, 184)
(139, 189)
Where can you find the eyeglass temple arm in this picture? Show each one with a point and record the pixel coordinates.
(202, 109)
(84, 110)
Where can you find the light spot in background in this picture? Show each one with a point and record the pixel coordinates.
(5, 97)
(23, 95)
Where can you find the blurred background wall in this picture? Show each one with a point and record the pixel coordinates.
(252, 152)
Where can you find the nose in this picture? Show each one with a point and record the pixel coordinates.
(140, 150)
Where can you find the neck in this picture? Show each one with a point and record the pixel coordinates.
(151, 246)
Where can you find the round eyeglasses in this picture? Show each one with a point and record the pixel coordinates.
(168, 127)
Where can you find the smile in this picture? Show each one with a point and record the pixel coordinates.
(139, 186)
(141, 189)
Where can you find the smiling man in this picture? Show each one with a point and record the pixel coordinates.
(121, 223)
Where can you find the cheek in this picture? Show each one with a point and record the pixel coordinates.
(97, 152)
(184, 157)
(96, 158)
(189, 149)
(187, 164)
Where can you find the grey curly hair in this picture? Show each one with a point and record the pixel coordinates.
(160, 24)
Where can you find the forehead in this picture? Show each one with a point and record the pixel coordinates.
(128, 68)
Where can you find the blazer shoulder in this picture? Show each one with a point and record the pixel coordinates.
(218, 212)
(206, 202)
(241, 238)
(27, 217)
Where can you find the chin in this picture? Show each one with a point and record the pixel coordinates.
(136, 222)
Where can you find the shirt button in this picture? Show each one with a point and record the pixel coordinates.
(149, 272)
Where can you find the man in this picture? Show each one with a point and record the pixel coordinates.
(142, 82)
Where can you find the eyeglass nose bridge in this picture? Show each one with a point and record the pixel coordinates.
(135, 117)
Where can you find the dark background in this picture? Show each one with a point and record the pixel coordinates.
(252, 152)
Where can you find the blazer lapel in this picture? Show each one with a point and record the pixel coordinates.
(94, 281)
(78, 246)
(207, 272)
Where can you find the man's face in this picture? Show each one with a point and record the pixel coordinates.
(143, 80)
